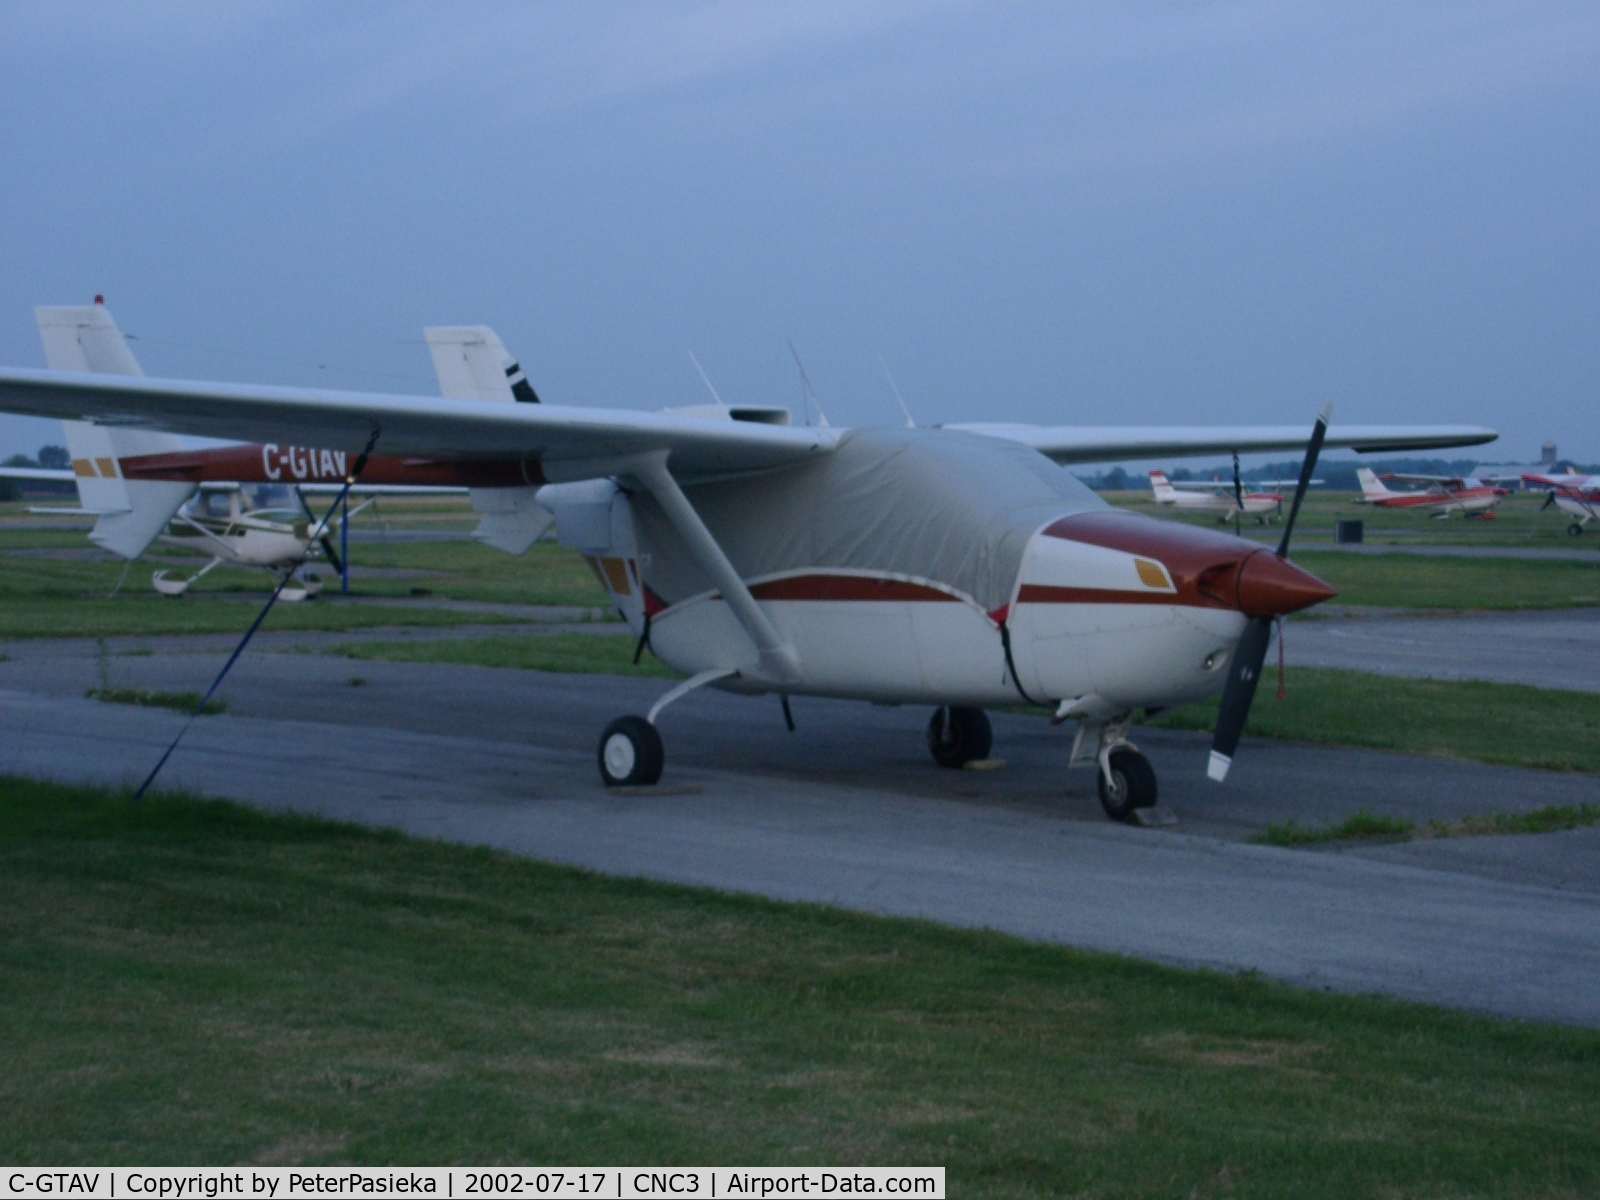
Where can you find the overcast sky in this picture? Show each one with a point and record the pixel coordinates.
(1034, 212)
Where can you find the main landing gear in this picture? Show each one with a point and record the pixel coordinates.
(631, 753)
(1575, 529)
(959, 735)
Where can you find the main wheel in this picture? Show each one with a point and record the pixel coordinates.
(958, 735)
(1132, 784)
(631, 754)
(1575, 529)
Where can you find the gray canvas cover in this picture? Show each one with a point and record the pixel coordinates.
(954, 508)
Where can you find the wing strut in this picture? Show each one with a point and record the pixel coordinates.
(778, 657)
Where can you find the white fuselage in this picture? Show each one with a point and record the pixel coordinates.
(920, 567)
(247, 540)
(1084, 621)
(1216, 500)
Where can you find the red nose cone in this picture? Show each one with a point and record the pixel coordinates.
(1272, 587)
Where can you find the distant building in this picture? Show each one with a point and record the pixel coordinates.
(1547, 456)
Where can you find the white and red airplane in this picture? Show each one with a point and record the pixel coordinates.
(143, 486)
(1576, 495)
(1217, 496)
(1445, 494)
(960, 567)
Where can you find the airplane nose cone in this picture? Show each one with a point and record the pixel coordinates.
(1273, 587)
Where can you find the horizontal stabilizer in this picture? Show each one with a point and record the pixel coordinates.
(151, 505)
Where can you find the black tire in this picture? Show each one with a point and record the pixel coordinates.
(1575, 529)
(957, 736)
(1133, 784)
(635, 753)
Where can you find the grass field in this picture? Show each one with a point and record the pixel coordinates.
(68, 594)
(1429, 581)
(1364, 826)
(184, 982)
(184, 702)
(580, 653)
(1486, 722)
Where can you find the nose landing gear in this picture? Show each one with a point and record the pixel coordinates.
(1127, 783)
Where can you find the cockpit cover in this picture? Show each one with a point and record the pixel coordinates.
(951, 508)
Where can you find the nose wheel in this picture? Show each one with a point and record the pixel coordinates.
(1127, 782)
(631, 754)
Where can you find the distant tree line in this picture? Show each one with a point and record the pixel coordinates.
(51, 458)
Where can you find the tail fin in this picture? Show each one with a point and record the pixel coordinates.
(473, 365)
(1371, 486)
(1164, 491)
(132, 512)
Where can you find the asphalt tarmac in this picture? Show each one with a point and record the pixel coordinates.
(850, 810)
(1558, 648)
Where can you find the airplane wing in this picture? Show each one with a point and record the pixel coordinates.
(1447, 481)
(228, 486)
(575, 443)
(566, 442)
(63, 475)
(1226, 485)
(1103, 443)
(1571, 484)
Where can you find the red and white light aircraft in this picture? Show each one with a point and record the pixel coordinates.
(143, 486)
(959, 567)
(1445, 494)
(1576, 495)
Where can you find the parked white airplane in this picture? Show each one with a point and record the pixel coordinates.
(959, 567)
(1218, 497)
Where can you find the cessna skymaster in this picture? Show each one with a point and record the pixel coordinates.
(959, 567)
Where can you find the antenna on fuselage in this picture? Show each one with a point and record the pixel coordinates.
(805, 385)
(707, 378)
(910, 424)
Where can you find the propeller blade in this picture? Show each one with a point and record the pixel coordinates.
(1549, 499)
(1244, 672)
(333, 555)
(1318, 432)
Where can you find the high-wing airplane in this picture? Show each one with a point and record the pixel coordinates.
(1218, 497)
(1445, 494)
(1576, 495)
(959, 567)
(143, 485)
